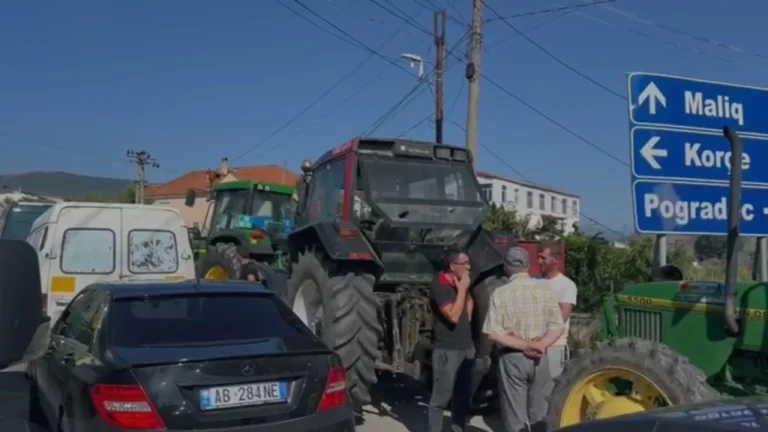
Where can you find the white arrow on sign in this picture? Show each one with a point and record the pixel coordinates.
(650, 153)
(653, 95)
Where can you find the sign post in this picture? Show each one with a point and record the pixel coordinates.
(681, 164)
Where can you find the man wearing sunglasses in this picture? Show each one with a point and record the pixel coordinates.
(454, 351)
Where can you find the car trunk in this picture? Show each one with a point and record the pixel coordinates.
(180, 389)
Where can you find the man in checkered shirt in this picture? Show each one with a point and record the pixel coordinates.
(523, 320)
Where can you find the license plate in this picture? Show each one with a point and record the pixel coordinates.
(243, 395)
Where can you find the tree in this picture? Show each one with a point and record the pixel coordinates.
(707, 247)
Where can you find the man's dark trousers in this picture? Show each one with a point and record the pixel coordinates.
(452, 371)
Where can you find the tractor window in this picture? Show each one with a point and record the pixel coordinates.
(228, 204)
(262, 207)
(327, 192)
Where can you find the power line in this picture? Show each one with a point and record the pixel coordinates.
(552, 56)
(527, 29)
(342, 31)
(678, 31)
(672, 44)
(556, 9)
(554, 122)
(323, 29)
(322, 96)
(405, 101)
(524, 178)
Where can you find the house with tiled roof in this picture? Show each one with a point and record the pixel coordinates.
(174, 192)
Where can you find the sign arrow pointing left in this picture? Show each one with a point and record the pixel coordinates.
(650, 153)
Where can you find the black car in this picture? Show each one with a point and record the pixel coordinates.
(193, 355)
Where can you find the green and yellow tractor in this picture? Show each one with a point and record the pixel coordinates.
(671, 342)
(244, 218)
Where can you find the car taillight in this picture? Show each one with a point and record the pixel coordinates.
(125, 407)
(335, 394)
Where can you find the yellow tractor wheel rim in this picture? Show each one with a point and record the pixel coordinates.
(595, 397)
(216, 273)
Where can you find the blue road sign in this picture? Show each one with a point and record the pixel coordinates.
(665, 100)
(695, 208)
(694, 156)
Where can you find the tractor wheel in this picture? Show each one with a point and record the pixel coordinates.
(274, 279)
(624, 376)
(340, 307)
(214, 264)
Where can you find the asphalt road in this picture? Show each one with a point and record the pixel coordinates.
(400, 406)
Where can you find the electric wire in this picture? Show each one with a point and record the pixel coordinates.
(322, 96)
(412, 93)
(675, 45)
(551, 55)
(533, 183)
(555, 9)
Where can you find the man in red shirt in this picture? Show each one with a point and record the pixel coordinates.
(453, 348)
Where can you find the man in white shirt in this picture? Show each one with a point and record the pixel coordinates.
(549, 255)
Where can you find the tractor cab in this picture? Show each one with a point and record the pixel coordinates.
(244, 213)
(411, 200)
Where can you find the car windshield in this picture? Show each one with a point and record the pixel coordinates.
(19, 220)
(229, 203)
(201, 318)
(423, 191)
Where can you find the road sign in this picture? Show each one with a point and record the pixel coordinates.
(663, 207)
(665, 100)
(694, 156)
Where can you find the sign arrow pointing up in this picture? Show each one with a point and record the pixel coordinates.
(650, 153)
(653, 95)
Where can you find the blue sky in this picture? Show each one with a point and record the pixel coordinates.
(192, 81)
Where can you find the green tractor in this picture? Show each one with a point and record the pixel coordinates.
(246, 217)
(671, 342)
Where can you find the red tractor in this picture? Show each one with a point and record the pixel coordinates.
(374, 222)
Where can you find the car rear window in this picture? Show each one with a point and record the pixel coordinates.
(201, 318)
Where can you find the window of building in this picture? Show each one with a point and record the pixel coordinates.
(529, 200)
(574, 208)
(542, 202)
(152, 251)
(517, 196)
(487, 191)
(88, 251)
(564, 204)
(503, 194)
(553, 205)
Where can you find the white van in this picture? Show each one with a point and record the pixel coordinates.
(80, 243)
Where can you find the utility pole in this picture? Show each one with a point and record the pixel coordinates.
(142, 159)
(473, 76)
(439, 34)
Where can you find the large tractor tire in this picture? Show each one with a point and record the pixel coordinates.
(218, 263)
(339, 305)
(624, 376)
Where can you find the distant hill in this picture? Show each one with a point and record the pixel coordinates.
(64, 185)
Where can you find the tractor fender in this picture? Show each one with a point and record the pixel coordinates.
(326, 234)
(487, 250)
(234, 237)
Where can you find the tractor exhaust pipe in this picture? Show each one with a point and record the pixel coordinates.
(732, 251)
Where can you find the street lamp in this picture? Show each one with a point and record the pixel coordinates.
(414, 59)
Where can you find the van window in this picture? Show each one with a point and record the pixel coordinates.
(152, 251)
(88, 251)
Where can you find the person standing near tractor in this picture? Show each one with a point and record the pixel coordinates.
(524, 321)
(454, 350)
(549, 256)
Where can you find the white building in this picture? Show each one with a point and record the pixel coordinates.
(531, 200)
